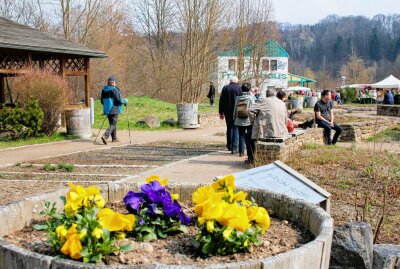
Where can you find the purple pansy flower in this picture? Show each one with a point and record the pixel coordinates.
(133, 200)
(152, 209)
(186, 220)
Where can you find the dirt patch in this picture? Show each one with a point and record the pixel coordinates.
(357, 180)
(282, 236)
(94, 167)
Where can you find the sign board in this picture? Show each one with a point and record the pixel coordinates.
(280, 178)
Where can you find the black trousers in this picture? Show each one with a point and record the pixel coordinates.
(112, 130)
(328, 131)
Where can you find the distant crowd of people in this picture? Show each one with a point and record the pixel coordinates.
(249, 118)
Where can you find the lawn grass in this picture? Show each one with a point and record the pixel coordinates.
(37, 140)
(139, 107)
(389, 135)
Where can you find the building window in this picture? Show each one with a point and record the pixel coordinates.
(274, 65)
(265, 65)
(232, 64)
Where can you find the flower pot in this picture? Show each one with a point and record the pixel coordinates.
(188, 115)
(297, 102)
(78, 122)
(314, 254)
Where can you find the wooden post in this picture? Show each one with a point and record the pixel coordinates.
(2, 90)
(87, 83)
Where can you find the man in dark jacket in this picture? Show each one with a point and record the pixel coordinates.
(211, 93)
(388, 98)
(226, 108)
(112, 106)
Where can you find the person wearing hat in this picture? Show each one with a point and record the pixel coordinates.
(112, 106)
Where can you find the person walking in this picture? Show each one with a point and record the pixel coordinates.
(325, 119)
(241, 117)
(112, 106)
(226, 107)
(211, 93)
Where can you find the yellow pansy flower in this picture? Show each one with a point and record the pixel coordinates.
(72, 247)
(114, 221)
(235, 216)
(223, 183)
(260, 216)
(240, 196)
(61, 231)
(163, 182)
(120, 235)
(82, 233)
(174, 196)
(227, 233)
(210, 226)
(214, 207)
(97, 233)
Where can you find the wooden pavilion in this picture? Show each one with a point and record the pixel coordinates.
(23, 48)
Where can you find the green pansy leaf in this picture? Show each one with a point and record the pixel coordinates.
(126, 247)
(40, 227)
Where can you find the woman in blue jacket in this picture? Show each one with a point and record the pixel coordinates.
(112, 106)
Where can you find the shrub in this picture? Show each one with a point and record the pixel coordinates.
(50, 91)
(348, 95)
(22, 122)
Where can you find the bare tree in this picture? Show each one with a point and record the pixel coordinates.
(197, 23)
(356, 72)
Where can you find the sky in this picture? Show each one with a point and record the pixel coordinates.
(311, 11)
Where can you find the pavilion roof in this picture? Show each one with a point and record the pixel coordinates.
(21, 37)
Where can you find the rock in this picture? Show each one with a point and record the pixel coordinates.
(147, 247)
(352, 246)
(169, 122)
(386, 256)
(152, 121)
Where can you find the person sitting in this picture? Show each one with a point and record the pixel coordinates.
(388, 98)
(325, 119)
(291, 123)
(269, 121)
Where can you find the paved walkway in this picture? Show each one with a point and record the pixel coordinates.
(198, 169)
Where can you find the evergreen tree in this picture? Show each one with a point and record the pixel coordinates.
(374, 46)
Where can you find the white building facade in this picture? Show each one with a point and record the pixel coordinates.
(273, 70)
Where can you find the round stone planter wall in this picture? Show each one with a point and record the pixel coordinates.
(315, 254)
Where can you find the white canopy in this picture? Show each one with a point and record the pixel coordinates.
(356, 86)
(387, 83)
(298, 88)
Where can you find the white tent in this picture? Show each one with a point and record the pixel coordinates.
(298, 88)
(356, 86)
(387, 83)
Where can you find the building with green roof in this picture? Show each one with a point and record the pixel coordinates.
(273, 70)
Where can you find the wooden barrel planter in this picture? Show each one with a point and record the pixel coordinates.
(188, 115)
(311, 101)
(297, 102)
(315, 254)
(78, 122)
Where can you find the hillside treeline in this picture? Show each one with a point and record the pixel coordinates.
(327, 46)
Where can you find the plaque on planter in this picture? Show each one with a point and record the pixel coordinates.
(280, 178)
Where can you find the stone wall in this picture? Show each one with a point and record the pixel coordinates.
(268, 152)
(354, 132)
(210, 120)
(389, 110)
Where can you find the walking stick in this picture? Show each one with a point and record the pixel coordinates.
(100, 129)
(129, 129)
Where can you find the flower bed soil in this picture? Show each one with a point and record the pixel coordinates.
(282, 236)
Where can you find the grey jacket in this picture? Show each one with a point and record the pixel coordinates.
(269, 116)
(251, 101)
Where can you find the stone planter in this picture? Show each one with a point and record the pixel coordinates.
(297, 102)
(188, 115)
(315, 254)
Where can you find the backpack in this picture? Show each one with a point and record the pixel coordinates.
(241, 109)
